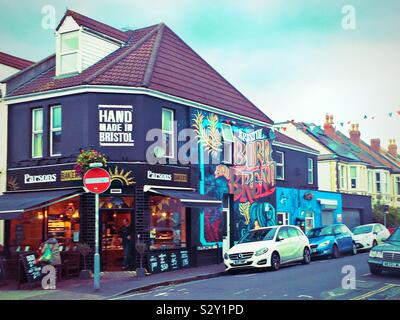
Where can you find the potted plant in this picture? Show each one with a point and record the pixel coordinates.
(84, 249)
(86, 157)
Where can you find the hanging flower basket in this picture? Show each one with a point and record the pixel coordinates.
(86, 157)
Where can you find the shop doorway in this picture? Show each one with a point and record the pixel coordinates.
(113, 212)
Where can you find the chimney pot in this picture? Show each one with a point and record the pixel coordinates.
(355, 134)
(392, 148)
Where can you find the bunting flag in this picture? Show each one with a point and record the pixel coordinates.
(342, 124)
(390, 114)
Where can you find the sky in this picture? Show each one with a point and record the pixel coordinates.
(296, 60)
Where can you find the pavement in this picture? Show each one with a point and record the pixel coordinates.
(113, 284)
(346, 278)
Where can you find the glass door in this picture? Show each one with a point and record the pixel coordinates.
(117, 233)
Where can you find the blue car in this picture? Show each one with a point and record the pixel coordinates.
(331, 240)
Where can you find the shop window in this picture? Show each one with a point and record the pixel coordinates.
(26, 233)
(168, 132)
(310, 165)
(37, 133)
(63, 221)
(167, 223)
(280, 165)
(69, 52)
(55, 130)
(309, 221)
(116, 202)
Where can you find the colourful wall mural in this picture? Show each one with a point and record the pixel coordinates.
(303, 204)
(249, 177)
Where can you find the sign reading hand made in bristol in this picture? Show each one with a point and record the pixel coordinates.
(115, 126)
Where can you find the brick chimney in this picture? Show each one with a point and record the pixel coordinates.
(355, 134)
(376, 145)
(392, 148)
(329, 130)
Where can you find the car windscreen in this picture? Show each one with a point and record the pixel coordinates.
(362, 229)
(395, 236)
(259, 235)
(321, 232)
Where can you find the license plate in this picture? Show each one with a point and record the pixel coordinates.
(391, 264)
(239, 262)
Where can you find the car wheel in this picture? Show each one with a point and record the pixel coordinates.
(374, 244)
(335, 252)
(354, 249)
(375, 270)
(306, 256)
(275, 261)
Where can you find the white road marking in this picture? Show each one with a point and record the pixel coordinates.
(305, 296)
(161, 294)
(367, 274)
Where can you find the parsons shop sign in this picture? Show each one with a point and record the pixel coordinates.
(115, 125)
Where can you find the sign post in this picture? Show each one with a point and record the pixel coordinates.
(97, 180)
(385, 213)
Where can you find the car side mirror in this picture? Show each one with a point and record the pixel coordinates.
(279, 238)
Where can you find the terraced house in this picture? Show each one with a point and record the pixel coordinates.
(350, 166)
(9, 65)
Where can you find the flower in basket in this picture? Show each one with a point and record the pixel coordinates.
(85, 158)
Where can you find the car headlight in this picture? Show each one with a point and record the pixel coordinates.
(376, 254)
(324, 244)
(226, 256)
(261, 251)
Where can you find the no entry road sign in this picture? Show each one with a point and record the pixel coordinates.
(97, 180)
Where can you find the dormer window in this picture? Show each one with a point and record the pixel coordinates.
(69, 48)
(78, 46)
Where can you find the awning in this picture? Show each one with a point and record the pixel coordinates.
(12, 205)
(189, 198)
(328, 204)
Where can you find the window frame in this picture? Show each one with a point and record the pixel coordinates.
(36, 132)
(310, 170)
(353, 178)
(378, 182)
(397, 184)
(312, 218)
(342, 176)
(280, 164)
(227, 141)
(285, 218)
(72, 52)
(171, 133)
(52, 130)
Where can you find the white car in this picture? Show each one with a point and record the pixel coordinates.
(269, 247)
(369, 235)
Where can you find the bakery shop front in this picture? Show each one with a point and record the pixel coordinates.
(155, 204)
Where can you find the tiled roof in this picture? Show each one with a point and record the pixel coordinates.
(13, 61)
(95, 25)
(289, 141)
(155, 58)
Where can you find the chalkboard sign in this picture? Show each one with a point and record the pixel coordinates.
(168, 261)
(33, 271)
(2, 272)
